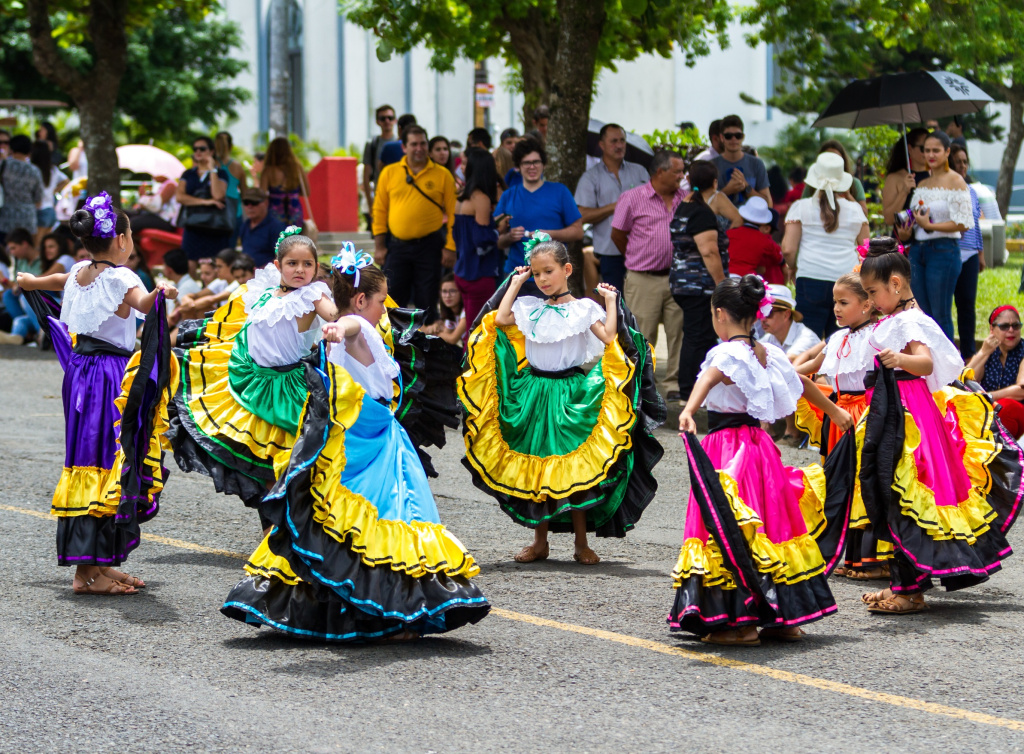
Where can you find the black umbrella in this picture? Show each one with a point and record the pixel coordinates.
(902, 98)
(637, 149)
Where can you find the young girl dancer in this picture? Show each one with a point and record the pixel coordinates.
(357, 550)
(846, 358)
(115, 404)
(942, 486)
(749, 556)
(242, 387)
(559, 448)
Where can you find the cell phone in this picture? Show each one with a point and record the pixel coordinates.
(502, 217)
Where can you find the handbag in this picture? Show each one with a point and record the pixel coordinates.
(209, 218)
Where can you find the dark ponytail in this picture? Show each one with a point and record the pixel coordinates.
(739, 298)
(371, 280)
(82, 223)
(884, 260)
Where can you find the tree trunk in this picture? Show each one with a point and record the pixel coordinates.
(1008, 166)
(94, 93)
(535, 42)
(279, 67)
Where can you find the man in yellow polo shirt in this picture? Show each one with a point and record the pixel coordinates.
(413, 215)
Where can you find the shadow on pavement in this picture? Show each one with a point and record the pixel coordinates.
(622, 569)
(191, 558)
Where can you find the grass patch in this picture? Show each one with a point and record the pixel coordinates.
(997, 286)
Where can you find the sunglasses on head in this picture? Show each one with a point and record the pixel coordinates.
(733, 135)
(251, 202)
(1004, 326)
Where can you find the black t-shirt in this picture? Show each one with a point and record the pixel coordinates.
(689, 275)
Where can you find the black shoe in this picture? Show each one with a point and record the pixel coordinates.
(672, 395)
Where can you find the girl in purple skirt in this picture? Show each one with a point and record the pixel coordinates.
(115, 403)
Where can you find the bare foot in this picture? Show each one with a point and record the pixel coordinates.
(586, 556)
(100, 584)
(124, 578)
(533, 552)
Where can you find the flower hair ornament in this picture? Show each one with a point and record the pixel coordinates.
(536, 237)
(350, 261)
(101, 207)
(291, 230)
(765, 307)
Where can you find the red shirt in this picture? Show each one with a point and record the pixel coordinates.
(749, 249)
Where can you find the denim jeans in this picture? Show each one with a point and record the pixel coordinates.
(24, 319)
(934, 269)
(613, 270)
(966, 297)
(814, 301)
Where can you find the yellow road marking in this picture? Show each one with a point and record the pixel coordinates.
(786, 676)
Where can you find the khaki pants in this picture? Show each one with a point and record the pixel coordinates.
(651, 302)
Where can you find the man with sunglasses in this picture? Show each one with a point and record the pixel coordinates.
(740, 175)
(385, 116)
(259, 231)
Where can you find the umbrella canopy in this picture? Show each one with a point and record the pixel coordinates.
(143, 158)
(637, 150)
(900, 98)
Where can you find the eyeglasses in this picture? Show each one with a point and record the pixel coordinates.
(251, 203)
(733, 135)
(386, 117)
(4, 141)
(530, 163)
(1004, 326)
(200, 149)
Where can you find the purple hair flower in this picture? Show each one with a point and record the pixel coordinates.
(101, 207)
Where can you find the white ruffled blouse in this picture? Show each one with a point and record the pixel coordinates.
(913, 325)
(558, 336)
(768, 393)
(92, 309)
(944, 205)
(375, 379)
(271, 342)
(848, 358)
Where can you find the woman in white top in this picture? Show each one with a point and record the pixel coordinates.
(821, 239)
(561, 449)
(942, 211)
(105, 412)
(358, 550)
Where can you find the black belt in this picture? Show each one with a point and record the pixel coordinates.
(849, 392)
(86, 345)
(717, 421)
(657, 273)
(872, 377)
(415, 241)
(561, 374)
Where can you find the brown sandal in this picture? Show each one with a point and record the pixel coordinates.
(873, 598)
(115, 588)
(782, 633)
(586, 557)
(124, 578)
(873, 574)
(730, 638)
(529, 555)
(899, 605)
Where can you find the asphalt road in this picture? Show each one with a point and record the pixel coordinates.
(573, 658)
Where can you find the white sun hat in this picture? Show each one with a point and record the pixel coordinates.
(828, 174)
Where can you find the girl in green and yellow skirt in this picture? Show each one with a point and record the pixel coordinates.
(560, 448)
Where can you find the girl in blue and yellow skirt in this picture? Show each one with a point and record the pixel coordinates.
(357, 550)
(561, 449)
(115, 402)
(242, 386)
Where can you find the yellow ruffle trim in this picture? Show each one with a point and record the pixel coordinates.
(972, 516)
(94, 491)
(415, 548)
(808, 420)
(788, 562)
(523, 475)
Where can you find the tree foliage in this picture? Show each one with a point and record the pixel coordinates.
(178, 73)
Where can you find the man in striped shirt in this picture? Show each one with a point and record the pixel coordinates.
(640, 230)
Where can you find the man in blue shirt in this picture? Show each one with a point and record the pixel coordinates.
(740, 175)
(534, 205)
(259, 230)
